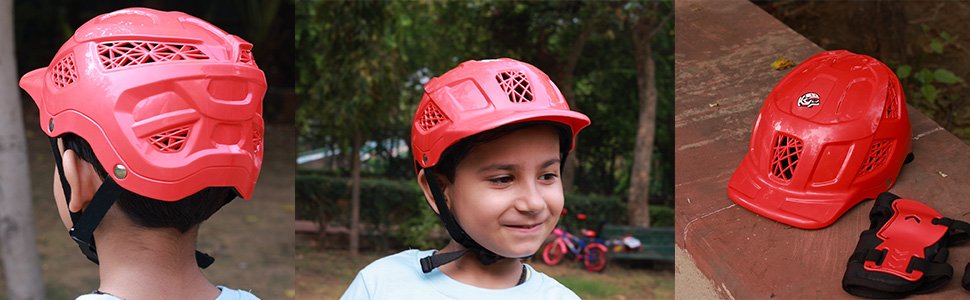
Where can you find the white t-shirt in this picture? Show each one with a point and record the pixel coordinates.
(226, 294)
(399, 276)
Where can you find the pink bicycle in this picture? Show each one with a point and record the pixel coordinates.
(591, 250)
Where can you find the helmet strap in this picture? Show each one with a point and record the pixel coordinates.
(485, 256)
(86, 221)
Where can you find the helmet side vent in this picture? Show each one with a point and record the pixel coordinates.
(64, 72)
(785, 151)
(170, 140)
(892, 111)
(516, 85)
(430, 117)
(121, 54)
(878, 154)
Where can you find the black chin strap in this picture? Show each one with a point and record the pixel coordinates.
(485, 256)
(85, 222)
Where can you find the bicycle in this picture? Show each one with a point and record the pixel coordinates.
(591, 250)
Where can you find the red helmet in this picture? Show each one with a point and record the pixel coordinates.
(477, 96)
(169, 103)
(474, 97)
(833, 132)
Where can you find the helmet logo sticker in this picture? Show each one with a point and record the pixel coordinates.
(809, 99)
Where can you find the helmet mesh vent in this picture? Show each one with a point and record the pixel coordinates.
(170, 140)
(516, 85)
(130, 53)
(878, 154)
(64, 72)
(785, 151)
(431, 117)
(892, 112)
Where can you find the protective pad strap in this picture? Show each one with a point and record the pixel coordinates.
(903, 252)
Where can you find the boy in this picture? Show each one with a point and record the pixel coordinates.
(155, 123)
(489, 138)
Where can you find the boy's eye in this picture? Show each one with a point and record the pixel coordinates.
(501, 179)
(548, 176)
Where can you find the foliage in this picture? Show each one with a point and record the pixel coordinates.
(417, 231)
(601, 210)
(927, 78)
(933, 88)
(363, 63)
(385, 202)
(397, 208)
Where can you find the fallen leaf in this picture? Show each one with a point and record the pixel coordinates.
(782, 63)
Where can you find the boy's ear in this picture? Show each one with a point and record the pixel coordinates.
(83, 179)
(426, 189)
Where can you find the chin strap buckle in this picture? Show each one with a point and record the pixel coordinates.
(433, 261)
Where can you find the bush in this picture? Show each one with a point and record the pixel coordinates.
(396, 209)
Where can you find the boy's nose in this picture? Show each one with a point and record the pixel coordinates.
(531, 200)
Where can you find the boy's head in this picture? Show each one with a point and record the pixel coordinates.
(489, 138)
(160, 111)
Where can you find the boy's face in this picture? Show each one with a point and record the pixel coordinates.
(507, 193)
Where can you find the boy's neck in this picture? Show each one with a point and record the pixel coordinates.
(150, 264)
(502, 274)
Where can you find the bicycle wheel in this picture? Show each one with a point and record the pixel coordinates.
(552, 253)
(595, 257)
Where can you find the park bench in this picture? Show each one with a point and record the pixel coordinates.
(656, 243)
(724, 52)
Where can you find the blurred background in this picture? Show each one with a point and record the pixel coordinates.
(252, 240)
(362, 66)
(925, 42)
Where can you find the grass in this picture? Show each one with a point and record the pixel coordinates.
(325, 274)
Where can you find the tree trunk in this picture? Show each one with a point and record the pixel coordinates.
(355, 193)
(18, 247)
(637, 202)
(564, 74)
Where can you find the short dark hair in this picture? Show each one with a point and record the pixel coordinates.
(454, 154)
(182, 215)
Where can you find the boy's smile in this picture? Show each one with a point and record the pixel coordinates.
(507, 193)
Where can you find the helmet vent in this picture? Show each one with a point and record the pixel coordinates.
(431, 117)
(516, 85)
(878, 154)
(246, 57)
(64, 72)
(115, 55)
(170, 140)
(784, 156)
(892, 112)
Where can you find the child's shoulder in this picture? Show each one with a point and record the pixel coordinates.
(406, 261)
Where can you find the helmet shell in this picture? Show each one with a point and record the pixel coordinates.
(833, 132)
(169, 103)
(481, 95)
